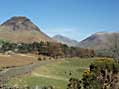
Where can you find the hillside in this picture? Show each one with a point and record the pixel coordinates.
(21, 29)
(65, 40)
(100, 40)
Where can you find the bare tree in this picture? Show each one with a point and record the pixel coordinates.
(114, 46)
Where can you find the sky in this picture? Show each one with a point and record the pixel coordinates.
(76, 19)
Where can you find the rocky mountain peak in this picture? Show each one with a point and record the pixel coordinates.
(15, 20)
(21, 29)
(18, 23)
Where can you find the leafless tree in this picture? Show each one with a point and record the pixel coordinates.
(114, 45)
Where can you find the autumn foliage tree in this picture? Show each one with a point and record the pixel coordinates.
(47, 48)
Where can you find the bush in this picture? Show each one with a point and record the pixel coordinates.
(103, 74)
(39, 59)
(74, 84)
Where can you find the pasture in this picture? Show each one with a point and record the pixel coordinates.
(56, 73)
(15, 60)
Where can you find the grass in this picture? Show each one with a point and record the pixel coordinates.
(62, 68)
(33, 81)
(16, 60)
(57, 73)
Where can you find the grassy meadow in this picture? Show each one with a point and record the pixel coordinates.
(55, 74)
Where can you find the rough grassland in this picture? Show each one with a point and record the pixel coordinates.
(56, 74)
(16, 60)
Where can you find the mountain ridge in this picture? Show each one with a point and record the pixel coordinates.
(99, 40)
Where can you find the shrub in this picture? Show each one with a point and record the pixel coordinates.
(103, 74)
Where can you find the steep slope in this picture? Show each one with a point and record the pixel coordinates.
(21, 29)
(100, 40)
(65, 40)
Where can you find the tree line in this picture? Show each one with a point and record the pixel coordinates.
(46, 48)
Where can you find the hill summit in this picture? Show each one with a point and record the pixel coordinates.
(100, 40)
(22, 29)
(65, 40)
(20, 23)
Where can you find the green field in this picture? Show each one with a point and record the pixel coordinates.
(55, 74)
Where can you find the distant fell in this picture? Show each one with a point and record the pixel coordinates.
(20, 23)
(100, 40)
(22, 29)
(65, 40)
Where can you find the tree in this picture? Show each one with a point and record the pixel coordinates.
(54, 50)
(65, 50)
(114, 46)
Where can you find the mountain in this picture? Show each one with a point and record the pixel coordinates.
(21, 29)
(100, 40)
(65, 40)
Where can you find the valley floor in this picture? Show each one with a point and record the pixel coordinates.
(54, 73)
(14, 60)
